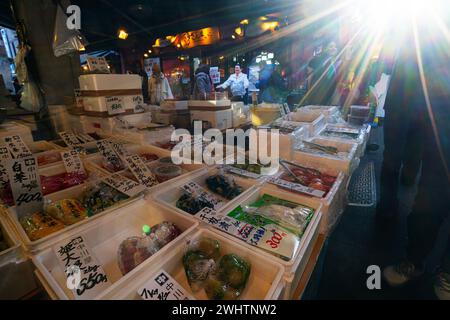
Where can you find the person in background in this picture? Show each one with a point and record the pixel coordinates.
(158, 86)
(137, 69)
(203, 84)
(238, 83)
(322, 76)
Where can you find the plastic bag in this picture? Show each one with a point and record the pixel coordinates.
(66, 41)
(30, 97)
(68, 211)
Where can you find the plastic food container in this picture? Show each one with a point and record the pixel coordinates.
(310, 120)
(295, 267)
(331, 113)
(104, 237)
(333, 204)
(265, 281)
(345, 164)
(57, 169)
(15, 128)
(45, 242)
(15, 268)
(264, 115)
(166, 172)
(361, 139)
(169, 195)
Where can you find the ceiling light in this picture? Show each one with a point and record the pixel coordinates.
(146, 55)
(245, 21)
(233, 36)
(270, 56)
(239, 31)
(122, 34)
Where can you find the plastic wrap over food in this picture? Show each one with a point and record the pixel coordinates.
(224, 185)
(98, 196)
(68, 211)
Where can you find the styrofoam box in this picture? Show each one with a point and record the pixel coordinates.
(104, 238)
(329, 112)
(294, 267)
(347, 165)
(333, 204)
(110, 82)
(15, 128)
(45, 242)
(313, 122)
(149, 137)
(169, 195)
(286, 142)
(222, 119)
(109, 124)
(264, 283)
(98, 104)
(172, 105)
(361, 140)
(15, 268)
(209, 103)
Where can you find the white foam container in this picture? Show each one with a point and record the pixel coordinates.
(222, 119)
(209, 103)
(172, 105)
(363, 138)
(333, 204)
(17, 276)
(286, 141)
(169, 195)
(265, 281)
(56, 169)
(295, 267)
(331, 113)
(43, 243)
(160, 134)
(98, 104)
(15, 128)
(43, 148)
(311, 121)
(346, 165)
(96, 82)
(104, 237)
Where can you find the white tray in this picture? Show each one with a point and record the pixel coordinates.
(311, 121)
(265, 281)
(104, 237)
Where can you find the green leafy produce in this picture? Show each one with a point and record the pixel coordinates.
(224, 186)
(192, 205)
(234, 271)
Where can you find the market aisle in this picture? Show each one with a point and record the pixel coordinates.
(359, 242)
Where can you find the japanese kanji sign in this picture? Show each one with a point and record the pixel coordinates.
(124, 185)
(115, 104)
(85, 275)
(138, 103)
(108, 153)
(85, 138)
(163, 287)
(70, 139)
(26, 185)
(4, 159)
(199, 192)
(72, 161)
(297, 187)
(17, 147)
(98, 64)
(141, 171)
(242, 173)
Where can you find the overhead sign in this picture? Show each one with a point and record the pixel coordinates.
(98, 64)
(202, 37)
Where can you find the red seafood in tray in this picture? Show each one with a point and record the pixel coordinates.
(307, 177)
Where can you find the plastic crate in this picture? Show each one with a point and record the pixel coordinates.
(265, 281)
(104, 237)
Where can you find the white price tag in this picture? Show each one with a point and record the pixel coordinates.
(17, 147)
(85, 138)
(163, 287)
(5, 157)
(115, 104)
(199, 192)
(70, 139)
(242, 173)
(214, 73)
(297, 187)
(124, 185)
(108, 153)
(98, 64)
(26, 185)
(141, 171)
(118, 147)
(72, 161)
(138, 103)
(85, 275)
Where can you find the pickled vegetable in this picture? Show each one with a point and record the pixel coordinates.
(224, 186)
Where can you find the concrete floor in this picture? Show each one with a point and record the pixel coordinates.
(359, 242)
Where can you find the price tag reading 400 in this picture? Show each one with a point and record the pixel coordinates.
(25, 185)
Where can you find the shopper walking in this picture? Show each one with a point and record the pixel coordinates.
(158, 86)
(429, 116)
(203, 84)
(238, 83)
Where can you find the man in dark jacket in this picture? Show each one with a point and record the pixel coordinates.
(203, 83)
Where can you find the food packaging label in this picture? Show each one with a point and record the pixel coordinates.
(26, 185)
(17, 147)
(70, 139)
(85, 275)
(72, 161)
(197, 191)
(297, 187)
(163, 287)
(127, 186)
(85, 138)
(140, 170)
(115, 104)
(243, 173)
